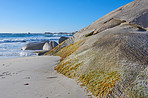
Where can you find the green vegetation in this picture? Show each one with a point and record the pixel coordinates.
(98, 82)
(69, 68)
(68, 50)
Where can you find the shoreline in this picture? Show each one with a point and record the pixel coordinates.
(35, 77)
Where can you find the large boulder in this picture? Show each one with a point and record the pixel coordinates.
(62, 39)
(50, 45)
(110, 56)
(34, 46)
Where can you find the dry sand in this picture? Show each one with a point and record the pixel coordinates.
(34, 77)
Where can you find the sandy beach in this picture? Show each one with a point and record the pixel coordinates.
(35, 77)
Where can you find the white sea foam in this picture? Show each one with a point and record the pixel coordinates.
(28, 39)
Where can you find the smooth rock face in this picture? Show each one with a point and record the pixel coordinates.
(34, 46)
(142, 20)
(50, 45)
(62, 39)
(134, 13)
(47, 46)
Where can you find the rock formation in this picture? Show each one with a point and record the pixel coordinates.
(45, 45)
(50, 45)
(110, 56)
(34, 46)
(62, 39)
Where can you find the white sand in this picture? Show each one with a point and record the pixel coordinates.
(39, 73)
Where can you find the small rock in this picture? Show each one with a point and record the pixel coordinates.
(27, 77)
(23, 41)
(26, 84)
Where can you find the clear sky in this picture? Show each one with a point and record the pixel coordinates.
(52, 15)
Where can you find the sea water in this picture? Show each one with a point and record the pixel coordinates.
(11, 43)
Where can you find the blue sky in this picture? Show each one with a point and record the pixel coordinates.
(18, 16)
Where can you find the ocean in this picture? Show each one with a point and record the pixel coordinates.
(11, 43)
